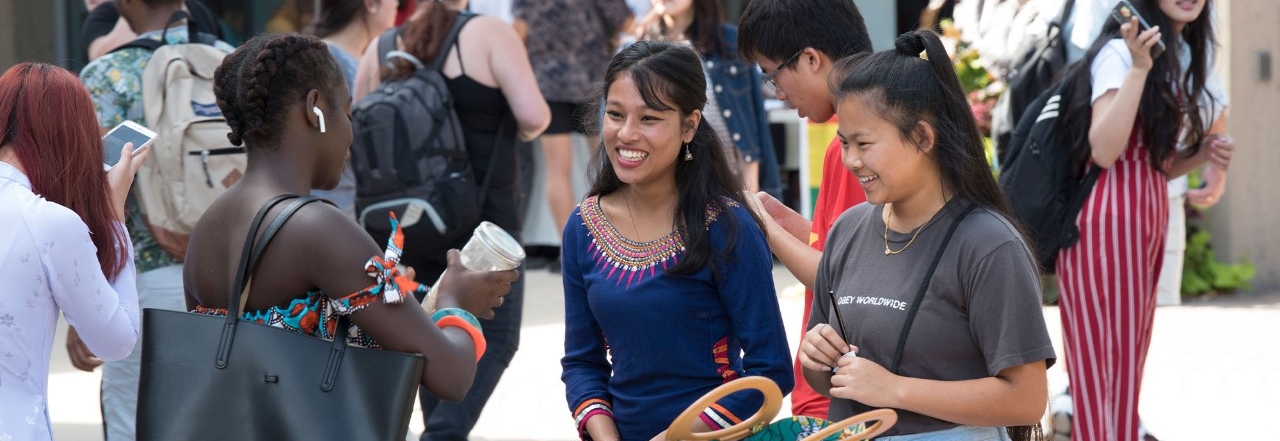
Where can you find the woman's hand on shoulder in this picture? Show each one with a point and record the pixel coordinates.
(779, 215)
(120, 176)
(479, 292)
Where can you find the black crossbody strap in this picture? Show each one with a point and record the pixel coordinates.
(924, 287)
(493, 161)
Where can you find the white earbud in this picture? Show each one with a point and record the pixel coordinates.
(319, 115)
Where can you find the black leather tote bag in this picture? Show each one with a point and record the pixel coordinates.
(220, 378)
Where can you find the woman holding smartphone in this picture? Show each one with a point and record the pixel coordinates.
(63, 246)
(1135, 110)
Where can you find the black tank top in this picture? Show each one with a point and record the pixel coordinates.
(489, 128)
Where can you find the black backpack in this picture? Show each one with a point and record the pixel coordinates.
(1042, 60)
(410, 158)
(1045, 187)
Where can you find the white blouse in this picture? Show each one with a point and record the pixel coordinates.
(48, 263)
(1112, 64)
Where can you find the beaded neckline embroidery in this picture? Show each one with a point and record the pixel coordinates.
(629, 261)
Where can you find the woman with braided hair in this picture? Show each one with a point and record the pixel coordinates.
(287, 103)
(927, 298)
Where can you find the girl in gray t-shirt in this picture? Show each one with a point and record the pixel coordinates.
(964, 356)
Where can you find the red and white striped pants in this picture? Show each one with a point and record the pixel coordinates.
(1107, 282)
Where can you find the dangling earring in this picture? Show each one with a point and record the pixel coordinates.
(688, 155)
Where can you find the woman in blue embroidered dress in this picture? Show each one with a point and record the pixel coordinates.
(287, 102)
(667, 277)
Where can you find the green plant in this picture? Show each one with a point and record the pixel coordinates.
(973, 75)
(1202, 273)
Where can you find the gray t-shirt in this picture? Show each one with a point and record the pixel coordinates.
(981, 314)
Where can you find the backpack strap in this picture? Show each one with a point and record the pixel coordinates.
(443, 53)
(1070, 231)
(387, 45)
(924, 287)
(1065, 12)
(151, 44)
(1057, 26)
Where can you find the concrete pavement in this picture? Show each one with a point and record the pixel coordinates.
(1213, 371)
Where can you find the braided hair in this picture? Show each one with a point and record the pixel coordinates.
(257, 82)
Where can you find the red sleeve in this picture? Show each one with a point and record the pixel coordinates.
(838, 191)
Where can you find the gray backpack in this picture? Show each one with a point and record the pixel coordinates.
(410, 158)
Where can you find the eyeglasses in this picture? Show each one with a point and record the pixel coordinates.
(769, 80)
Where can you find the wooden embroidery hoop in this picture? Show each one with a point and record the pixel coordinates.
(680, 428)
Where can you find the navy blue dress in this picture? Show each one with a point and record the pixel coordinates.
(643, 345)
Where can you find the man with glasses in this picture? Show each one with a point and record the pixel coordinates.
(796, 43)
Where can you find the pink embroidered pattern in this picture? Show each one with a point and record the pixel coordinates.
(628, 260)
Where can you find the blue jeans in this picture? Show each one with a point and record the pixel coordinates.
(454, 421)
(960, 433)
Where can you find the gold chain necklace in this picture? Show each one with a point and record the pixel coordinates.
(634, 230)
(889, 252)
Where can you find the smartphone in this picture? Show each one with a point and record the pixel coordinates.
(1121, 14)
(125, 132)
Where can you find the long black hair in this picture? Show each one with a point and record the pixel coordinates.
(905, 89)
(1161, 108)
(669, 77)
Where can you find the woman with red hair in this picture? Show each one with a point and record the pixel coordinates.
(62, 245)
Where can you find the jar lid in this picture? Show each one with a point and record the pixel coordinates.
(501, 243)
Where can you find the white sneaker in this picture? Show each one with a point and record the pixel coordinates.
(1143, 434)
(1059, 428)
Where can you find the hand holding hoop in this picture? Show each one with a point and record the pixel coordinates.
(680, 427)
